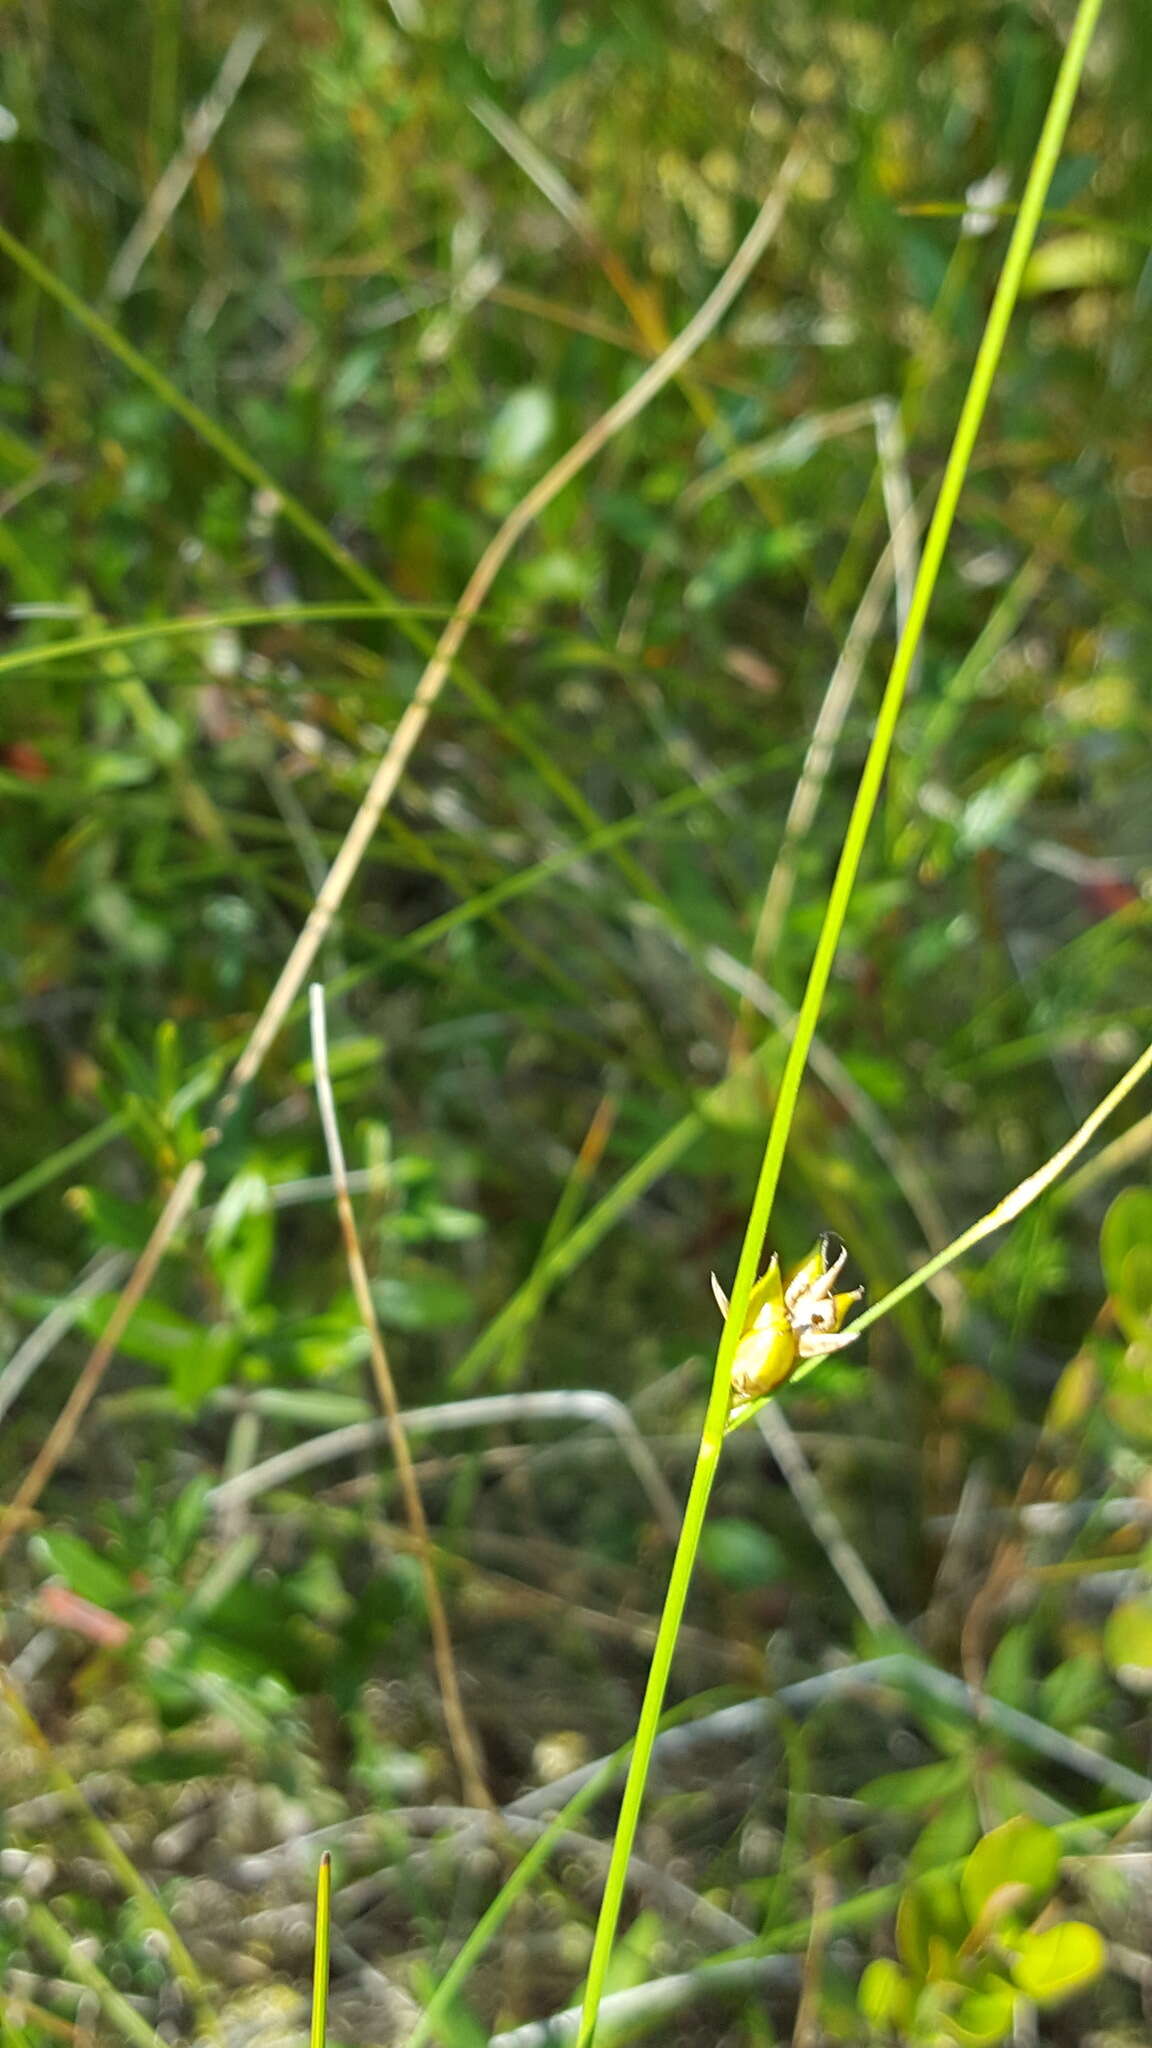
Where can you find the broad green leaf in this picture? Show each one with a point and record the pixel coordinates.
(994, 809)
(1022, 1852)
(1054, 1962)
(199, 1370)
(83, 1569)
(438, 1223)
(1010, 1668)
(1128, 1398)
(345, 1056)
(951, 1832)
(241, 1256)
(1073, 1395)
(1072, 1691)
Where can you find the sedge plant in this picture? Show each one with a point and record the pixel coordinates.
(742, 1310)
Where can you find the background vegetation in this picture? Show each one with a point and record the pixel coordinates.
(414, 251)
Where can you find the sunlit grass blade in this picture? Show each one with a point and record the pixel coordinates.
(1020, 1198)
(321, 1953)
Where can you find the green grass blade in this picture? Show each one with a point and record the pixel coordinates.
(1021, 1197)
(126, 2023)
(318, 2034)
(195, 624)
(62, 1161)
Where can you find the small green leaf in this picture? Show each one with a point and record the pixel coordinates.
(520, 431)
(741, 1553)
(1076, 262)
(1022, 1852)
(345, 1056)
(421, 1301)
(1126, 1256)
(1071, 1692)
(994, 809)
(1057, 1961)
(951, 1832)
(156, 1334)
(1128, 1644)
(982, 2017)
(931, 1925)
(913, 1790)
(885, 1995)
(1128, 1397)
(1010, 1668)
(83, 1569)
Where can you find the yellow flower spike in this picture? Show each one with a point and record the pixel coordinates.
(788, 1320)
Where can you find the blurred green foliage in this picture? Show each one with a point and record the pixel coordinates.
(426, 246)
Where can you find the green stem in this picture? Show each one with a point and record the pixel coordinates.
(1021, 1197)
(195, 624)
(318, 2033)
(971, 414)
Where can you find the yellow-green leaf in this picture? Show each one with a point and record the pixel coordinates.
(1128, 1644)
(1076, 263)
(885, 1995)
(1022, 1852)
(1059, 1960)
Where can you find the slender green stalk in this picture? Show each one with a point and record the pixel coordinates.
(972, 412)
(193, 625)
(47, 1170)
(318, 2034)
(1020, 1198)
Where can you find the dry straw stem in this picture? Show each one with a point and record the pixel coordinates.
(485, 1412)
(199, 134)
(404, 739)
(464, 1746)
(412, 722)
(845, 1560)
(663, 1998)
(826, 731)
(172, 1218)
